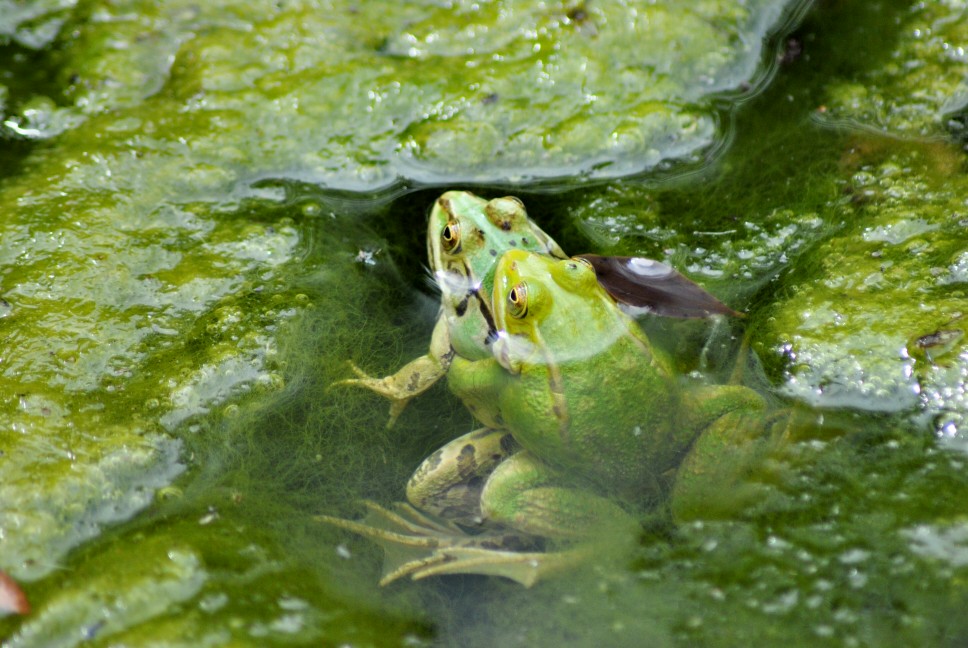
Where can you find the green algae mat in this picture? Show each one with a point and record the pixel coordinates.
(207, 208)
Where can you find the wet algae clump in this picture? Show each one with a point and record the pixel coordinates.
(208, 207)
(378, 91)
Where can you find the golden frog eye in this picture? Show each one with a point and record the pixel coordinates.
(450, 237)
(518, 301)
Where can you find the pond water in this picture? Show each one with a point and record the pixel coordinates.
(172, 429)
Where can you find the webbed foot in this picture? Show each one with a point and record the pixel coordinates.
(392, 387)
(419, 545)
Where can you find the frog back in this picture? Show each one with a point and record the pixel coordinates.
(611, 421)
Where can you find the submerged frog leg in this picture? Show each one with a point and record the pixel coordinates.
(449, 482)
(413, 541)
(718, 476)
(524, 567)
(525, 494)
(414, 378)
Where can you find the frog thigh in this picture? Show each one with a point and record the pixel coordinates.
(448, 483)
(716, 479)
(525, 494)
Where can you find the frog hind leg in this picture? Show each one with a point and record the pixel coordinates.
(524, 493)
(521, 495)
(444, 490)
(414, 543)
(526, 568)
(449, 482)
(414, 378)
(718, 476)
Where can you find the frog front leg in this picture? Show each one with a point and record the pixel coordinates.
(414, 378)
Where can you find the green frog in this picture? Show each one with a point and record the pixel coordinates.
(466, 235)
(594, 422)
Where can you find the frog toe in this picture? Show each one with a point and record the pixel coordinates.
(526, 568)
(418, 545)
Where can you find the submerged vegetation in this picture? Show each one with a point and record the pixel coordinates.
(208, 208)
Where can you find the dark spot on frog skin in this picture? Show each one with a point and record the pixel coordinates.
(513, 243)
(554, 385)
(938, 338)
(506, 225)
(467, 461)
(414, 382)
(577, 14)
(446, 206)
(489, 99)
(484, 309)
(508, 445)
(461, 307)
(525, 241)
(493, 253)
(433, 461)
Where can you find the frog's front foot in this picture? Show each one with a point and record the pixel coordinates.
(419, 545)
(394, 388)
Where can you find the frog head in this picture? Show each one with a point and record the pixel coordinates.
(555, 311)
(466, 235)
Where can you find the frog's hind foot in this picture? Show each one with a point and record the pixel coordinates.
(418, 545)
(526, 568)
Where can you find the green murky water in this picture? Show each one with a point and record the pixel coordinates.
(206, 210)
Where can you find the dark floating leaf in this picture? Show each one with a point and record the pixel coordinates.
(12, 598)
(658, 288)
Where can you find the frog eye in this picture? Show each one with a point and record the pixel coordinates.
(450, 237)
(518, 301)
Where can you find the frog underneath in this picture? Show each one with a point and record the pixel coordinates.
(466, 235)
